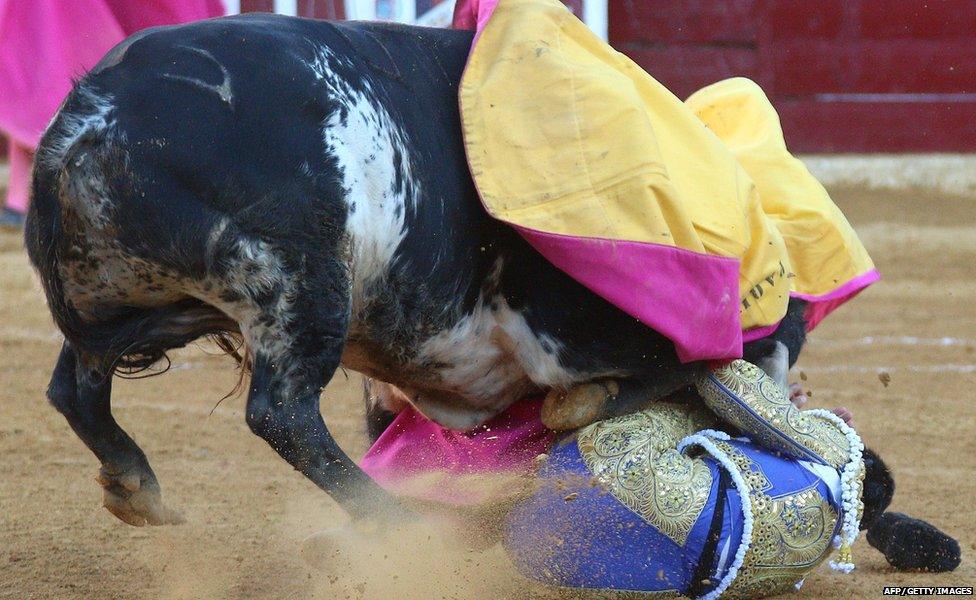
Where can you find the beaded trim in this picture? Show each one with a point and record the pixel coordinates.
(850, 484)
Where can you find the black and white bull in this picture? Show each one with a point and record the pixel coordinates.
(303, 185)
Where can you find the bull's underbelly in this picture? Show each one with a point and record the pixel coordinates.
(467, 372)
(462, 395)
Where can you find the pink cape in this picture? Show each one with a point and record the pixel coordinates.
(413, 449)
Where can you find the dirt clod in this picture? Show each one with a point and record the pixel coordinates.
(885, 378)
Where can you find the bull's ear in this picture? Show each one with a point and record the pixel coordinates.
(879, 488)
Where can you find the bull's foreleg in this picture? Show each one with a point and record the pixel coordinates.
(82, 393)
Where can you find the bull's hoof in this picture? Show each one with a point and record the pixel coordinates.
(577, 407)
(135, 498)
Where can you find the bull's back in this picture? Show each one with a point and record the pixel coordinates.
(246, 97)
(257, 131)
(186, 136)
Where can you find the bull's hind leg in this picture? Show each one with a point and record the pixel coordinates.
(82, 393)
(295, 353)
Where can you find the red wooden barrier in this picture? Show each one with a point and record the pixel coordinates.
(257, 5)
(321, 9)
(672, 22)
(317, 9)
(846, 75)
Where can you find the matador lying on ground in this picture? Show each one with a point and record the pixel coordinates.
(742, 498)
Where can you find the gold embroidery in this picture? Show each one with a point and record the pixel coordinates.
(791, 534)
(750, 471)
(768, 417)
(635, 458)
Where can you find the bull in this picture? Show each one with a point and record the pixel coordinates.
(301, 187)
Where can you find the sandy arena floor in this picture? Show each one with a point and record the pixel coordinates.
(247, 510)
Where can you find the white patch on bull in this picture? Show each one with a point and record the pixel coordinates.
(491, 357)
(489, 349)
(107, 277)
(369, 150)
(74, 125)
(451, 412)
(253, 268)
(86, 194)
(777, 364)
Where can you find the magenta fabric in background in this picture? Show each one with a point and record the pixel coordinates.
(473, 14)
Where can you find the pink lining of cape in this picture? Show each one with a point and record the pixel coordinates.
(824, 304)
(820, 306)
(669, 289)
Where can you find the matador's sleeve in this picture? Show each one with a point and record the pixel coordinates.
(742, 395)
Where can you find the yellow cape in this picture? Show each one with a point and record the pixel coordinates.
(566, 136)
